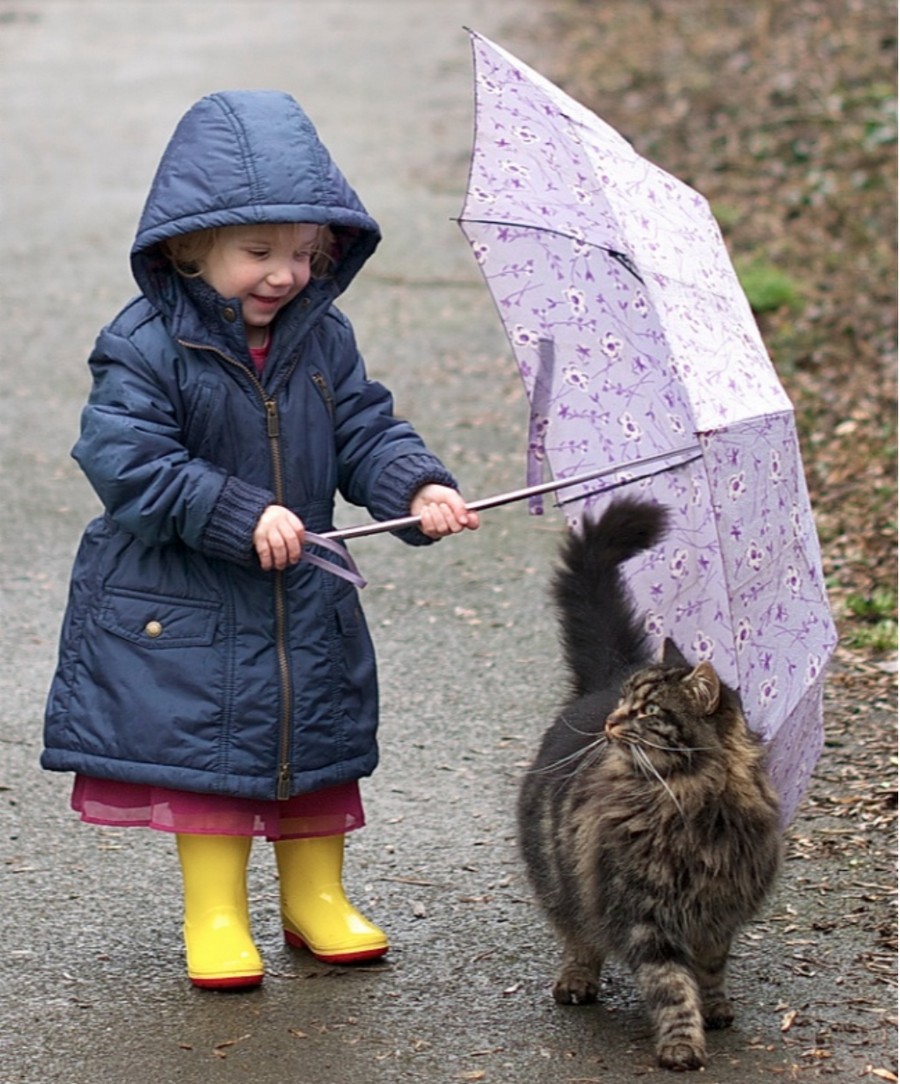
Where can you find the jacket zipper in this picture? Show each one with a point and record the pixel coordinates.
(273, 431)
(283, 789)
(325, 392)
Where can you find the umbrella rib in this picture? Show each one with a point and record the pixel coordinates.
(620, 257)
(635, 478)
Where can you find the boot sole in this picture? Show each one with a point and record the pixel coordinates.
(227, 982)
(352, 956)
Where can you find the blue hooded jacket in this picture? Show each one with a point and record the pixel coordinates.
(183, 664)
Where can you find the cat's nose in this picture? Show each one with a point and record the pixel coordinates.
(613, 721)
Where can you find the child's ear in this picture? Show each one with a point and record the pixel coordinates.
(671, 656)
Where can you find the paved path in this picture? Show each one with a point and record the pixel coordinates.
(92, 989)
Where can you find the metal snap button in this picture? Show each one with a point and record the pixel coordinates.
(153, 629)
(230, 314)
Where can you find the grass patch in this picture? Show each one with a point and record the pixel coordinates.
(880, 637)
(767, 287)
(876, 625)
(875, 607)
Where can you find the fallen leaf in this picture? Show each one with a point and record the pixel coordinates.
(226, 1043)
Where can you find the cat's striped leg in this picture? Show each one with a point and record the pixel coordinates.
(577, 982)
(710, 966)
(673, 999)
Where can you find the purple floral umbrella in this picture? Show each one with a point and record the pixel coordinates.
(640, 355)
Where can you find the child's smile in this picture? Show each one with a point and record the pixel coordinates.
(264, 267)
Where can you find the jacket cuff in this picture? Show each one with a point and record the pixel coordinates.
(399, 482)
(229, 532)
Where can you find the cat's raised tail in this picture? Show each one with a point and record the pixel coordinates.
(601, 632)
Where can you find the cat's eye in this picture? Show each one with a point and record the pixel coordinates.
(651, 709)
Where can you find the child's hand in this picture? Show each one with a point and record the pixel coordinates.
(442, 511)
(278, 538)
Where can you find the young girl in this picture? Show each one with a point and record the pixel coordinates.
(216, 678)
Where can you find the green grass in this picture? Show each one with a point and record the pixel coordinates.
(876, 625)
(880, 604)
(882, 636)
(767, 287)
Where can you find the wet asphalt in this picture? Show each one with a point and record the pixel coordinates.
(92, 987)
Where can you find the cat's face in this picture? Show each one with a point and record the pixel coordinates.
(667, 714)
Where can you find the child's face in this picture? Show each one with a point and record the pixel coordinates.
(264, 266)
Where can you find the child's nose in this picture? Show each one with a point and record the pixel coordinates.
(281, 273)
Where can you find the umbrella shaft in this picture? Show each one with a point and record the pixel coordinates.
(676, 458)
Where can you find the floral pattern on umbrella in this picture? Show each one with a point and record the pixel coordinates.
(635, 342)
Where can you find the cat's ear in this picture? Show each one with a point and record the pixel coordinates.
(704, 688)
(671, 655)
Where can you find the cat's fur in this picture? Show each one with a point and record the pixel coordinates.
(648, 824)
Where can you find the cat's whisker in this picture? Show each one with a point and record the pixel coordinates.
(592, 754)
(594, 747)
(649, 769)
(675, 748)
(583, 754)
(581, 733)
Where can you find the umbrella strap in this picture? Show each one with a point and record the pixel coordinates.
(347, 571)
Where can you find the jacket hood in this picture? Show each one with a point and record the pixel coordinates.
(244, 157)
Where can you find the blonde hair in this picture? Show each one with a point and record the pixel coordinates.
(188, 251)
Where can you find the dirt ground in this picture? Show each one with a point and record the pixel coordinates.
(783, 114)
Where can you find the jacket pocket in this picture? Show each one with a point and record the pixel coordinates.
(197, 436)
(349, 616)
(158, 622)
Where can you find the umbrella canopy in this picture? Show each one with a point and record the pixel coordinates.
(639, 354)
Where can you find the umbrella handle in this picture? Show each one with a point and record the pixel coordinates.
(678, 457)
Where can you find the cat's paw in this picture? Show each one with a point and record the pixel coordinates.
(718, 1015)
(575, 986)
(681, 1056)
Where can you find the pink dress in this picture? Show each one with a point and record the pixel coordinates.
(329, 812)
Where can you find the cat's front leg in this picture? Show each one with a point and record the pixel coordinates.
(673, 999)
(710, 965)
(577, 981)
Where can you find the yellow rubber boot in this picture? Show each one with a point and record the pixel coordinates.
(220, 949)
(315, 913)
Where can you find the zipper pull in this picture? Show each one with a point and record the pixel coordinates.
(272, 425)
(284, 783)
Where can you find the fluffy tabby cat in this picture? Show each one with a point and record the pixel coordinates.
(648, 824)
